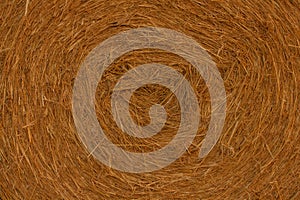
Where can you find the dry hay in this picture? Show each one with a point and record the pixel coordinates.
(256, 46)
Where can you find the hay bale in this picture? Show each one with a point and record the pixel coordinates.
(256, 46)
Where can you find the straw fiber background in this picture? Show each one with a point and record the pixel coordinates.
(256, 46)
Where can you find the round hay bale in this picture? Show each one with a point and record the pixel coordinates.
(256, 48)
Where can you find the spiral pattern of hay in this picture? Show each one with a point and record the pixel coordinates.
(256, 46)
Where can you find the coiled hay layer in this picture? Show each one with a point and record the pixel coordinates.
(256, 47)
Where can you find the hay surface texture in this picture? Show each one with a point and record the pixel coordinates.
(256, 47)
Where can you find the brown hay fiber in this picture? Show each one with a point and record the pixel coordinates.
(256, 47)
